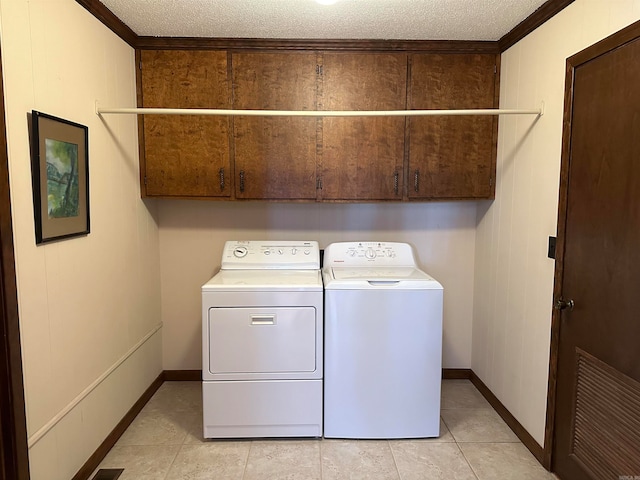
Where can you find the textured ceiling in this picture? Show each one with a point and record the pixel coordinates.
(306, 19)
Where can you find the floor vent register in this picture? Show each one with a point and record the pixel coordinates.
(108, 474)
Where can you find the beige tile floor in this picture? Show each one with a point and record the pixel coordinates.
(165, 442)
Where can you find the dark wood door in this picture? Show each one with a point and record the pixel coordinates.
(597, 413)
(185, 155)
(275, 157)
(362, 157)
(450, 156)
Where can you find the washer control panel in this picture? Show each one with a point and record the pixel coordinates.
(269, 254)
(369, 253)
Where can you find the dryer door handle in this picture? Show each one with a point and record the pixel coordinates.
(263, 319)
(383, 283)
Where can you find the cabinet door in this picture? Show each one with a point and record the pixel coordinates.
(452, 156)
(275, 157)
(362, 157)
(185, 155)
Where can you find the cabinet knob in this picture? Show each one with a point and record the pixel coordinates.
(242, 180)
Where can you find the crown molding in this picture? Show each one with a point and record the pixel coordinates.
(546, 11)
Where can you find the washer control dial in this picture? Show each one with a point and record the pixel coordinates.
(370, 253)
(240, 252)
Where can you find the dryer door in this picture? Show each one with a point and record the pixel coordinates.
(266, 343)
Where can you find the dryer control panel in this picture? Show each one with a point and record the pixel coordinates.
(391, 254)
(270, 254)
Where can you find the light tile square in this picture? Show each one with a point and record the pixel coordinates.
(157, 428)
(445, 436)
(357, 460)
(177, 397)
(212, 460)
(195, 430)
(499, 461)
(461, 394)
(284, 460)
(149, 462)
(477, 425)
(419, 460)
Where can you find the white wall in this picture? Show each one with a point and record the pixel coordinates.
(193, 233)
(84, 303)
(513, 276)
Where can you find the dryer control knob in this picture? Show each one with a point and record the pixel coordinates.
(240, 252)
(370, 253)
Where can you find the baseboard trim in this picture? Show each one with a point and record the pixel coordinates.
(94, 460)
(165, 376)
(456, 373)
(182, 375)
(196, 375)
(524, 436)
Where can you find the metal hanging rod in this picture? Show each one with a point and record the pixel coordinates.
(317, 113)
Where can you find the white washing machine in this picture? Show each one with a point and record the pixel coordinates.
(262, 342)
(383, 343)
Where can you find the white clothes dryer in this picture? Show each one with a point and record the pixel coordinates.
(383, 343)
(262, 342)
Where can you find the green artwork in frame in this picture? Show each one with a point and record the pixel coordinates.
(60, 177)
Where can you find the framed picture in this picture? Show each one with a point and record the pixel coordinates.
(60, 173)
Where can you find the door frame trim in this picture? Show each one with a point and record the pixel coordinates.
(14, 457)
(612, 42)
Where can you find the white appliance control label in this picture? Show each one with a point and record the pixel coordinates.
(276, 255)
(369, 253)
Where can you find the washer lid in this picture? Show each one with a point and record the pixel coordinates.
(265, 280)
(378, 277)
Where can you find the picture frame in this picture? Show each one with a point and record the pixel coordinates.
(60, 176)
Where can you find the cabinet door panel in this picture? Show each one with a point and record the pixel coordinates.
(362, 157)
(452, 157)
(275, 157)
(186, 155)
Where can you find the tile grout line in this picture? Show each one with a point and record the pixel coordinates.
(181, 446)
(246, 460)
(395, 463)
(475, 474)
(320, 450)
(166, 475)
(458, 446)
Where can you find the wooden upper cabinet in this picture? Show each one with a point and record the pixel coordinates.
(362, 157)
(450, 156)
(275, 157)
(317, 158)
(185, 156)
